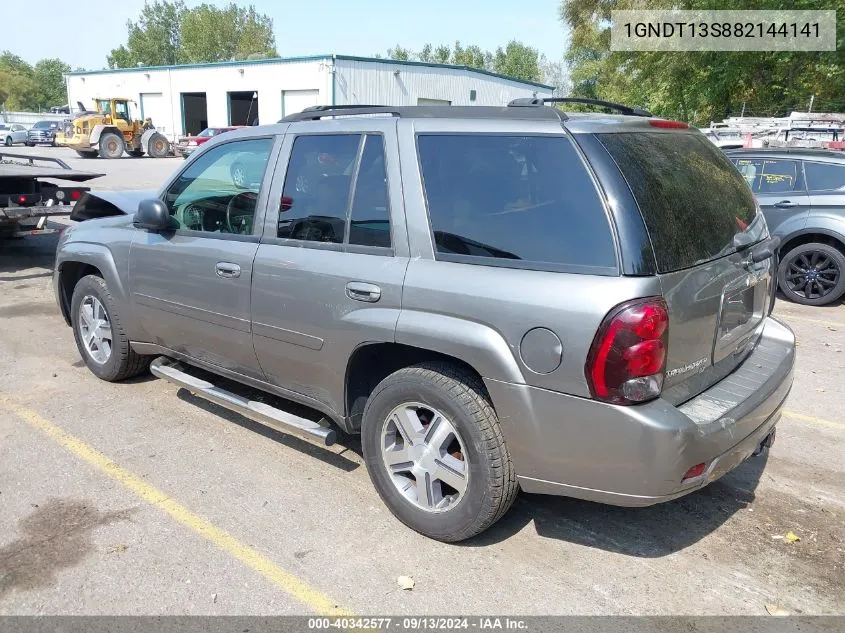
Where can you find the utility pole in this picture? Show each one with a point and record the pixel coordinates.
(812, 98)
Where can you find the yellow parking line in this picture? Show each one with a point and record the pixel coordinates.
(290, 584)
(814, 420)
(790, 317)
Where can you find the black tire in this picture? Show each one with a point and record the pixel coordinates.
(111, 145)
(136, 153)
(825, 267)
(8, 141)
(158, 146)
(123, 362)
(86, 153)
(28, 144)
(461, 396)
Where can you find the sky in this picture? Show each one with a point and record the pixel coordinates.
(362, 27)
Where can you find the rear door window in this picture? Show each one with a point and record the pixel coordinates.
(825, 176)
(518, 201)
(777, 176)
(692, 199)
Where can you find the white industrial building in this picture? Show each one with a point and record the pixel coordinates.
(186, 99)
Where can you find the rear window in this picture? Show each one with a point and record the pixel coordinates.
(692, 199)
(517, 201)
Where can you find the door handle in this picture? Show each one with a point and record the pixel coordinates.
(227, 270)
(360, 291)
(785, 204)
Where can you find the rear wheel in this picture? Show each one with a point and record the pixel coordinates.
(8, 141)
(111, 145)
(812, 274)
(99, 335)
(435, 452)
(158, 146)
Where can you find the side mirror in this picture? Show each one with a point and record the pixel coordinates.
(152, 215)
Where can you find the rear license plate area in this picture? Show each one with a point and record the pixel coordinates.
(741, 313)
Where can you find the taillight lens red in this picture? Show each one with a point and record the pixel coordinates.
(627, 360)
(75, 194)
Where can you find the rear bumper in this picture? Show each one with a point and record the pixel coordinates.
(638, 455)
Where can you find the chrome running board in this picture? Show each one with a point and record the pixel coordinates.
(172, 371)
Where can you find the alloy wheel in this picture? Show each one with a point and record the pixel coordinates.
(812, 274)
(95, 329)
(425, 457)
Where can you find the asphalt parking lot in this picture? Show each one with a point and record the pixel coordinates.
(138, 498)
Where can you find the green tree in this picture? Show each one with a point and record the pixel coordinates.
(49, 77)
(471, 56)
(154, 40)
(17, 83)
(518, 60)
(168, 33)
(209, 33)
(700, 86)
(398, 53)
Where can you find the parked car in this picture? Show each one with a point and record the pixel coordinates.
(11, 133)
(42, 133)
(494, 298)
(189, 144)
(802, 194)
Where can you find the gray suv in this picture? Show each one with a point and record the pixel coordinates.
(802, 193)
(495, 298)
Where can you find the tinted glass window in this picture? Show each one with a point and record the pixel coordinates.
(691, 197)
(526, 199)
(218, 191)
(825, 176)
(370, 223)
(315, 197)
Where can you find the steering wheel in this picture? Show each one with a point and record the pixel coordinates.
(240, 220)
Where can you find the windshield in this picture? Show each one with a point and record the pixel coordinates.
(206, 133)
(695, 204)
(43, 125)
(104, 106)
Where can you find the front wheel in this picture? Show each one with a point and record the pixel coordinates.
(111, 145)
(8, 141)
(812, 274)
(158, 146)
(99, 335)
(435, 452)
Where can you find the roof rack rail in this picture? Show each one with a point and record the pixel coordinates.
(314, 113)
(538, 101)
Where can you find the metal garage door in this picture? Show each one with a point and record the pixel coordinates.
(294, 101)
(154, 107)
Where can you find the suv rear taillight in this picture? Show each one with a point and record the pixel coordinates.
(627, 360)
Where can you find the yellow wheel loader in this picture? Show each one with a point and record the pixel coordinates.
(110, 130)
